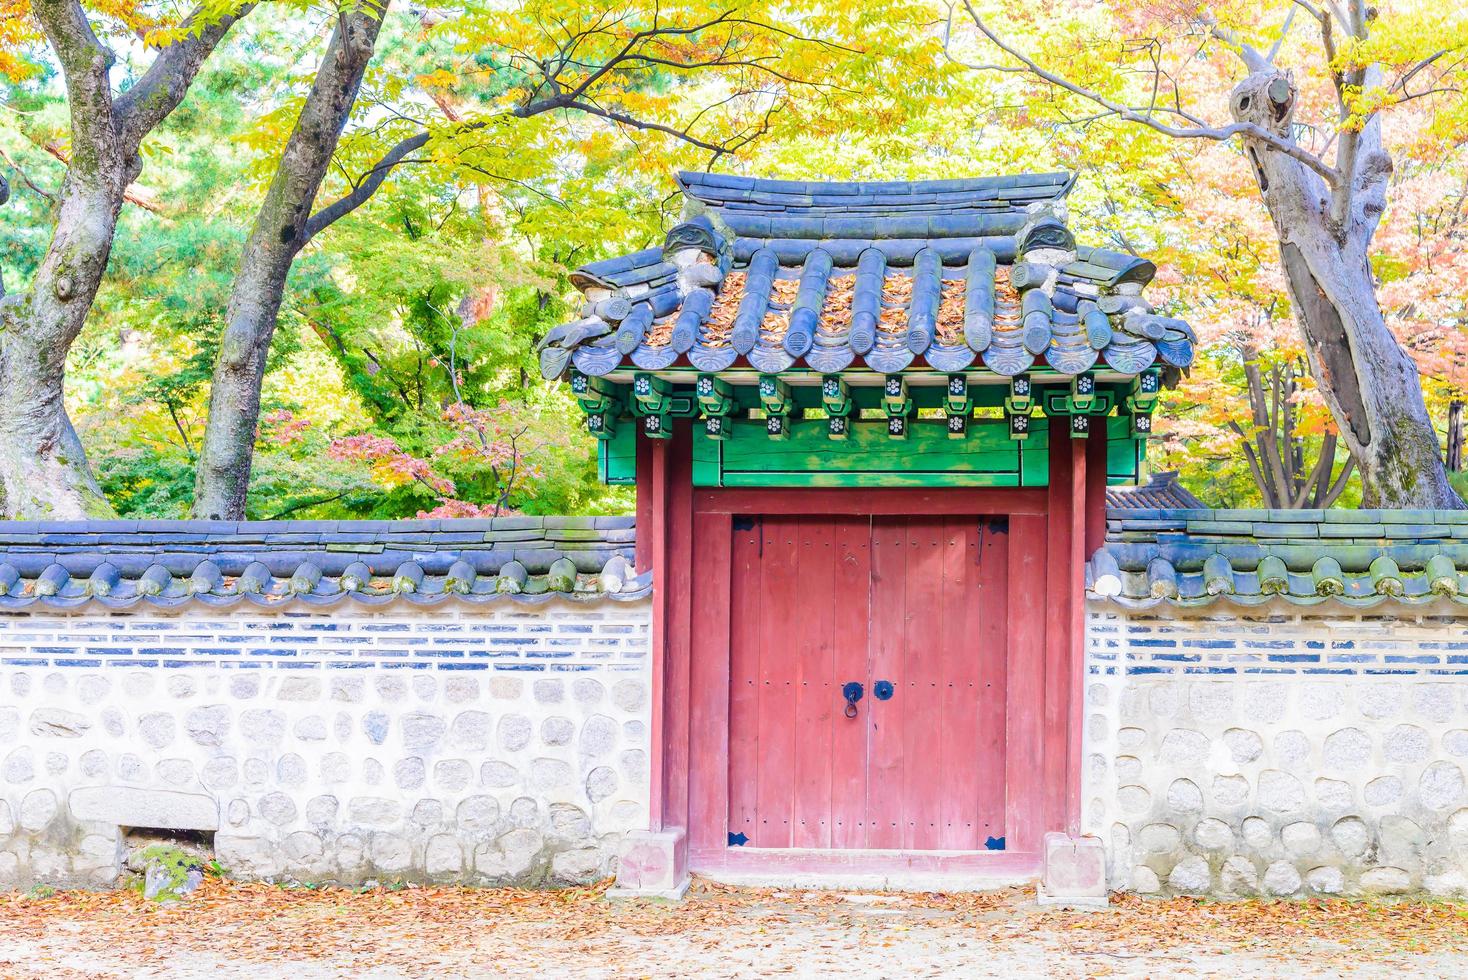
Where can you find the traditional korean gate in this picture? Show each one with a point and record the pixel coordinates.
(867, 683)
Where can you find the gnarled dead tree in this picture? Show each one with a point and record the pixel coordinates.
(1325, 211)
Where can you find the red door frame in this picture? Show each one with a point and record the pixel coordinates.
(685, 537)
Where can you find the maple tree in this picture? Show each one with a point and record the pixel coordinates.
(1305, 92)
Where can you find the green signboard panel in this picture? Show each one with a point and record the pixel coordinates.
(870, 457)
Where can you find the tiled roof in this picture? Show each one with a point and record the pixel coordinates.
(946, 274)
(1161, 492)
(168, 563)
(1248, 557)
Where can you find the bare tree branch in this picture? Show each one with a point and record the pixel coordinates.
(1284, 32)
(364, 188)
(85, 61)
(163, 85)
(1218, 133)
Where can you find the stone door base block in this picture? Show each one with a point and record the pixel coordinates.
(653, 864)
(1074, 872)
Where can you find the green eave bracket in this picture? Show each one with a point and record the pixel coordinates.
(760, 435)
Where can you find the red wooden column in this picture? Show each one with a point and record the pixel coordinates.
(1056, 699)
(656, 861)
(665, 523)
(1065, 626)
(1080, 495)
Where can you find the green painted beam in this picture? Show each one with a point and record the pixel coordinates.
(616, 458)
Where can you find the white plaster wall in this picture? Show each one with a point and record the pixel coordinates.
(455, 742)
(1277, 751)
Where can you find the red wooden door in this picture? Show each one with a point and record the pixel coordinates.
(913, 610)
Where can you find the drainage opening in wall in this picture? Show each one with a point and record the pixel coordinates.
(167, 864)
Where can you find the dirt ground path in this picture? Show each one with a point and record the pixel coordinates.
(232, 930)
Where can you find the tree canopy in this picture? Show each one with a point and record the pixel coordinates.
(531, 138)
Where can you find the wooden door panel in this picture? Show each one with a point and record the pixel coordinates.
(780, 568)
(919, 684)
(745, 590)
(989, 638)
(918, 602)
(886, 810)
(809, 638)
(851, 578)
(960, 700)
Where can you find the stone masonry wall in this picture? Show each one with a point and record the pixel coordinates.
(1279, 750)
(459, 742)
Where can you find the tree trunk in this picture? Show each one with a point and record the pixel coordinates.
(280, 231)
(1370, 384)
(43, 468)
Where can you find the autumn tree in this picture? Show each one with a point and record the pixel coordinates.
(1302, 90)
(515, 88)
(43, 469)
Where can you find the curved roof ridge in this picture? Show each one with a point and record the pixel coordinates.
(714, 188)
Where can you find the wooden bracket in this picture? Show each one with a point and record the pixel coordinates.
(958, 405)
(657, 426)
(717, 401)
(602, 425)
(595, 394)
(1019, 424)
(1082, 392)
(1141, 425)
(897, 405)
(836, 398)
(775, 396)
(717, 427)
(894, 395)
(957, 399)
(1021, 395)
(652, 394)
(715, 396)
(1146, 387)
(1080, 426)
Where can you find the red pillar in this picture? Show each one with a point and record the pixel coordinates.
(665, 524)
(1080, 520)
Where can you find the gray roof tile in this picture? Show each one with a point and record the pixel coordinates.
(916, 234)
(1358, 558)
(120, 563)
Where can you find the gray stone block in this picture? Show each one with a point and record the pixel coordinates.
(130, 806)
(58, 723)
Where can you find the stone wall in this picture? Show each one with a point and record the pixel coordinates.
(1279, 749)
(489, 742)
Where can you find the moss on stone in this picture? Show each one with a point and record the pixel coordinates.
(169, 873)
